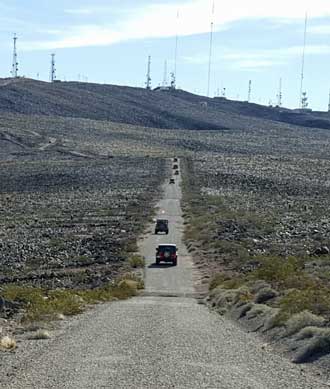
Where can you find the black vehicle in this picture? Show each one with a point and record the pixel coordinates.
(176, 173)
(166, 253)
(175, 159)
(172, 181)
(175, 167)
(161, 226)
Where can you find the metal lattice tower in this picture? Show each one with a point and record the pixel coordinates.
(302, 76)
(210, 51)
(165, 82)
(148, 82)
(329, 102)
(52, 69)
(249, 91)
(14, 69)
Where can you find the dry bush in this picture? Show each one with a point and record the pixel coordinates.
(301, 320)
(137, 261)
(310, 332)
(7, 343)
(40, 335)
(258, 310)
(318, 345)
(264, 295)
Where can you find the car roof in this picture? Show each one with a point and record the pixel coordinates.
(166, 245)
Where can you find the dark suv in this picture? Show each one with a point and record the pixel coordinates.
(161, 226)
(166, 253)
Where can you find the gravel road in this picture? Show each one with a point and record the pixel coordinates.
(163, 339)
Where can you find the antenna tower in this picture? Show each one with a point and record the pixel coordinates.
(279, 96)
(176, 51)
(14, 69)
(329, 102)
(148, 82)
(165, 75)
(249, 91)
(52, 69)
(211, 49)
(302, 93)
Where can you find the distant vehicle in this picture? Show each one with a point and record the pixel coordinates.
(161, 226)
(176, 172)
(175, 167)
(166, 253)
(175, 159)
(172, 181)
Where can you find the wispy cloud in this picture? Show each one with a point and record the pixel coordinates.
(155, 20)
(255, 60)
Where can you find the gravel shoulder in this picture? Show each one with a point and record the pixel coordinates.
(153, 341)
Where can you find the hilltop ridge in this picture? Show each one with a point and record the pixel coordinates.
(176, 109)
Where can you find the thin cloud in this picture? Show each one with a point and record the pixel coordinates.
(158, 20)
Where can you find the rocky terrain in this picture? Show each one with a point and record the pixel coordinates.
(258, 217)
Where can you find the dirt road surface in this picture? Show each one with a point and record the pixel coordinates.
(162, 339)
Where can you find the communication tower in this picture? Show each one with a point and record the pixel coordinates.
(52, 69)
(148, 82)
(174, 77)
(165, 81)
(249, 91)
(14, 69)
(329, 103)
(210, 50)
(279, 95)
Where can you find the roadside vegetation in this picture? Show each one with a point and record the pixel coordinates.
(262, 249)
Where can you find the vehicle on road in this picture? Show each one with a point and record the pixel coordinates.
(167, 253)
(175, 167)
(161, 226)
(172, 181)
(175, 159)
(176, 173)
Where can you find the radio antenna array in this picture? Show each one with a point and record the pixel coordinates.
(211, 50)
(14, 69)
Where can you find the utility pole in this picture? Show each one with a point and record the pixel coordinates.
(329, 102)
(148, 82)
(210, 51)
(52, 69)
(14, 69)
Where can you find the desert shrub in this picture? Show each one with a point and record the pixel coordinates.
(276, 319)
(233, 283)
(301, 320)
(315, 300)
(137, 261)
(257, 310)
(217, 280)
(309, 332)
(276, 269)
(7, 343)
(318, 345)
(264, 295)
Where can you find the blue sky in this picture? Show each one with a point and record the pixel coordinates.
(109, 41)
